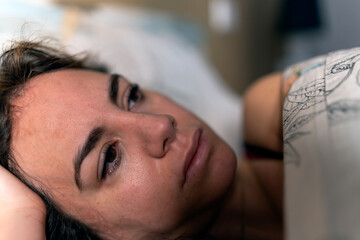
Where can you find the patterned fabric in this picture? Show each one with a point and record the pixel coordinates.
(321, 126)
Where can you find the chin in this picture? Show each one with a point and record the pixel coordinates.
(223, 169)
(199, 217)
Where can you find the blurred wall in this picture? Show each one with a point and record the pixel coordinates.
(245, 47)
(254, 46)
(260, 41)
(338, 30)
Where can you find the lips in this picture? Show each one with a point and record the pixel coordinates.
(192, 151)
(197, 155)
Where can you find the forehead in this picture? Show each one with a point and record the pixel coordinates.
(51, 117)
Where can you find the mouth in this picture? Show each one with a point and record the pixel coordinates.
(196, 155)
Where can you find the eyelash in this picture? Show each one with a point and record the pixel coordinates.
(133, 96)
(109, 165)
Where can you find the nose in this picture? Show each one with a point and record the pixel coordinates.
(155, 132)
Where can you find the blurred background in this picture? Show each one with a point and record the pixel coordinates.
(205, 47)
(243, 39)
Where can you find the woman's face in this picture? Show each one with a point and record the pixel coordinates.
(126, 161)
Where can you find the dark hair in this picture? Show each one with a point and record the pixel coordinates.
(22, 61)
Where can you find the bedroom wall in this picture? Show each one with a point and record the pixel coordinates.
(339, 20)
(243, 51)
(254, 46)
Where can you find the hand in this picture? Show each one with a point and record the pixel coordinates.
(22, 212)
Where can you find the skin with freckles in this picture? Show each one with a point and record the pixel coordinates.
(146, 140)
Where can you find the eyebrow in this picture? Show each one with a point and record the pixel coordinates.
(90, 143)
(114, 87)
(96, 133)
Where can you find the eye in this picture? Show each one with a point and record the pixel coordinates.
(134, 96)
(110, 157)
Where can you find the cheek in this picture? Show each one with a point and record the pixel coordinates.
(145, 201)
(219, 176)
(224, 168)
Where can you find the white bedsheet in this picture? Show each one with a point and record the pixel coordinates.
(322, 154)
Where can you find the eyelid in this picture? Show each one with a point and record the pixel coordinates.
(102, 157)
(126, 96)
(128, 93)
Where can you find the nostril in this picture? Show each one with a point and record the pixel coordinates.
(164, 144)
(173, 121)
